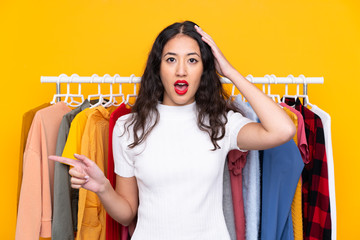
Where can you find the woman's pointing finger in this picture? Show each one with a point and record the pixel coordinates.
(64, 160)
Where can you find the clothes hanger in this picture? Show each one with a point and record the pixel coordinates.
(304, 96)
(275, 97)
(68, 96)
(112, 97)
(109, 96)
(120, 94)
(72, 102)
(286, 95)
(98, 95)
(58, 95)
(131, 95)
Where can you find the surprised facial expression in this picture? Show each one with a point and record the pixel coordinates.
(180, 70)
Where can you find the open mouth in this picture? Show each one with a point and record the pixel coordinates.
(181, 87)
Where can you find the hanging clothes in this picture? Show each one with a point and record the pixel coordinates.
(73, 145)
(315, 191)
(251, 181)
(35, 203)
(236, 163)
(26, 124)
(228, 207)
(114, 230)
(93, 226)
(94, 145)
(326, 121)
(62, 223)
(281, 171)
(300, 133)
(304, 151)
(296, 209)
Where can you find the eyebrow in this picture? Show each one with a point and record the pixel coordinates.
(171, 53)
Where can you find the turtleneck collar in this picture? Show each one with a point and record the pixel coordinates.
(177, 112)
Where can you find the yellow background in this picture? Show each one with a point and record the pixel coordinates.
(281, 37)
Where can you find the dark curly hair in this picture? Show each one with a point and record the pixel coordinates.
(211, 99)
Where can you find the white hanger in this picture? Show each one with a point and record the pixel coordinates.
(72, 102)
(68, 96)
(98, 95)
(273, 96)
(120, 94)
(112, 97)
(131, 95)
(286, 90)
(277, 96)
(306, 97)
(58, 95)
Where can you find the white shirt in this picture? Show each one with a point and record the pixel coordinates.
(178, 176)
(326, 121)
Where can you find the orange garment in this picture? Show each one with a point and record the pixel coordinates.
(94, 145)
(296, 207)
(26, 124)
(35, 212)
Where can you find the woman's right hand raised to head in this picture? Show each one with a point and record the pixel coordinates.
(85, 173)
(222, 65)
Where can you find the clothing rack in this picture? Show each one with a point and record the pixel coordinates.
(267, 79)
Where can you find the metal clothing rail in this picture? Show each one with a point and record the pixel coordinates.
(267, 79)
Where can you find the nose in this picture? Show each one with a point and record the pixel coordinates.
(181, 69)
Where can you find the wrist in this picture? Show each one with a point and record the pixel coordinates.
(232, 73)
(104, 186)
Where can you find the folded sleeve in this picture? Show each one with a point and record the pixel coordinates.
(123, 163)
(235, 122)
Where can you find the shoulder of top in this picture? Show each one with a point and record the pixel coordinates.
(231, 113)
(124, 118)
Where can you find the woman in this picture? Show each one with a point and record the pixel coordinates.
(169, 153)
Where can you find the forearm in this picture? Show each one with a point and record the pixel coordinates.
(116, 205)
(273, 119)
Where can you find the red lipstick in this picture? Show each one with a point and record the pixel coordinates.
(181, 87)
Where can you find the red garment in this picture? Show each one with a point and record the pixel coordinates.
(114, 230)
(315, 191)
(301, 137)
(236, 163)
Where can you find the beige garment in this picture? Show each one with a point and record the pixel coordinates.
(35, 211)
(26, 124)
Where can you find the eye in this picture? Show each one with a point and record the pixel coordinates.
(170, 59)
(193, 60)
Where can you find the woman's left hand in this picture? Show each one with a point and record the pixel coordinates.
(222, 65)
